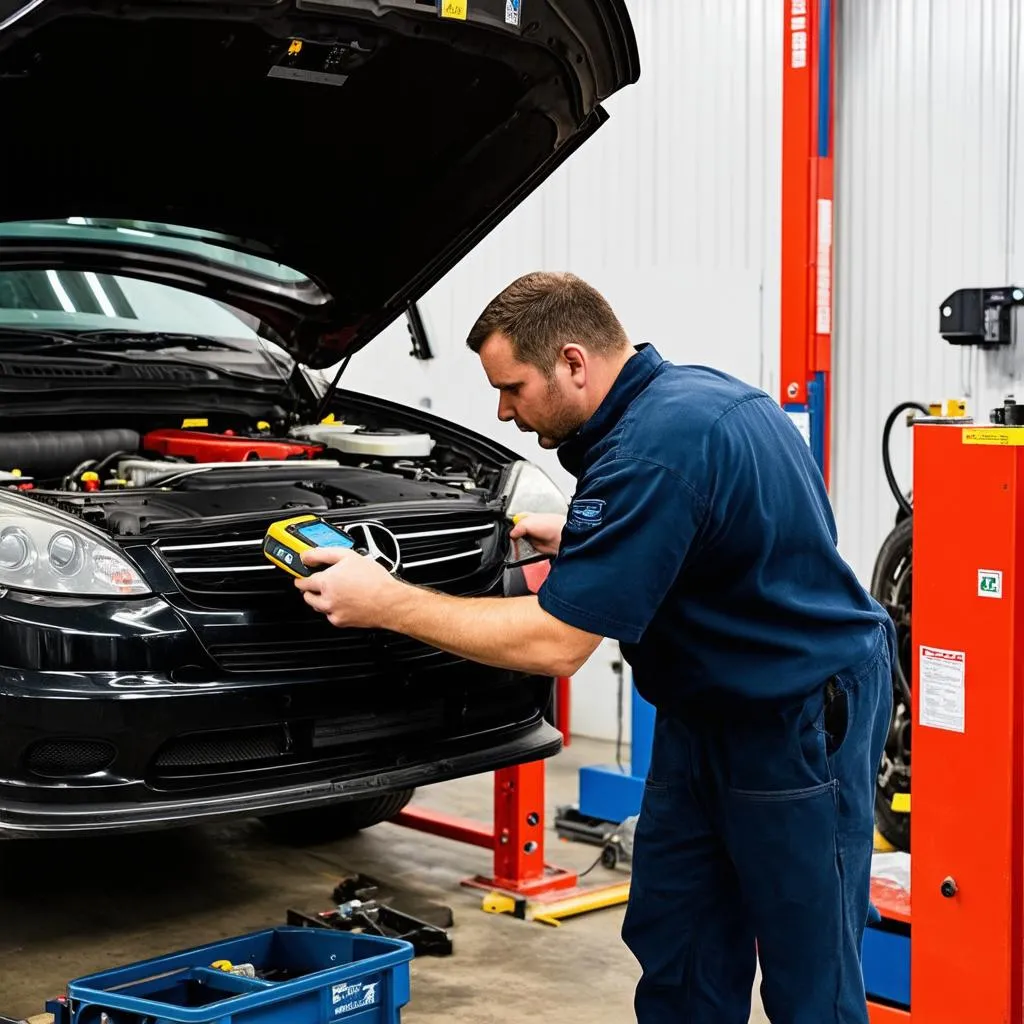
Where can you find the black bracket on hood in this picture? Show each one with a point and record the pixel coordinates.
(418, 332)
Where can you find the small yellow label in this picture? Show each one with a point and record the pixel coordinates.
(901, 803)
(1000, 437)
(194, 422)
(454, 9)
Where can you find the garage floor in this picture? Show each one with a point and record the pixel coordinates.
(71, 907)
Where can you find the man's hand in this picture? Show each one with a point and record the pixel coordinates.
(542, 529)
(353, 591)
(506, 632)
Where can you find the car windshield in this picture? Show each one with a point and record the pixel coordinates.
(216, 248)
(81, 302)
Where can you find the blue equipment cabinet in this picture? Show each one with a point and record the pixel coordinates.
(606, 792)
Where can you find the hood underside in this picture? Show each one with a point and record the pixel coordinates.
(367, 144)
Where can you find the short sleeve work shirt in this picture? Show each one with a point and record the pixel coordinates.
(701, 537)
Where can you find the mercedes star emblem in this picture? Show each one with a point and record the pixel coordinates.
(376, 541)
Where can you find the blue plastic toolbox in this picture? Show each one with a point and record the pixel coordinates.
(302, 976)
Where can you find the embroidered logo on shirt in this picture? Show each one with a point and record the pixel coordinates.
(586, 513)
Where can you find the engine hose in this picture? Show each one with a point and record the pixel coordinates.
(901, 498)
(52, 453)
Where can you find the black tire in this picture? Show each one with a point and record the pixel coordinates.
(336, 821)
(891, 586)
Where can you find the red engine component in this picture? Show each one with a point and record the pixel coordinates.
(203, 447)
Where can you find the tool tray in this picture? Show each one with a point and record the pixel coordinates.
(304, 976)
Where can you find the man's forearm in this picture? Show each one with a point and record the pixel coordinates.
(506, 632)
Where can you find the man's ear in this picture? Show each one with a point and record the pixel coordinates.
(575, 359)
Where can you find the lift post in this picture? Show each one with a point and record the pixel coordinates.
(953, 951)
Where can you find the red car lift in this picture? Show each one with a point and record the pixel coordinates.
(517, 834)
(959, 958)
(806, 268)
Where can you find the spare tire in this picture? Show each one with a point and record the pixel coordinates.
(335, 821)
(891, 586)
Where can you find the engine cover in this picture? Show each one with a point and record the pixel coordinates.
(204, 447)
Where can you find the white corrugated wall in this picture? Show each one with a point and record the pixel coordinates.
(671, 210)
(930, 198)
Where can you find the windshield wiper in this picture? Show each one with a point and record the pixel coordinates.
(113, 340)
(156, 341)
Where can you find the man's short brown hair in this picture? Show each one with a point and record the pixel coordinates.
(542, 311)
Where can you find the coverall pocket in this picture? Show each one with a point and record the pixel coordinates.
(782, 795)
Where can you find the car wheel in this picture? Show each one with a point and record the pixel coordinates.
(891, 586)
(323, 824)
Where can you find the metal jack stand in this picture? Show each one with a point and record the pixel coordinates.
(358, 908)
(516, 838)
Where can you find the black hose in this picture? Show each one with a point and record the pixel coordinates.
(52, 453)
(901, 498)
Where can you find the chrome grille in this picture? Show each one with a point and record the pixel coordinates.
(437, 548)
(456, 550)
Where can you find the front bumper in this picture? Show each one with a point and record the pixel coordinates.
(26, 819)
(94, 750)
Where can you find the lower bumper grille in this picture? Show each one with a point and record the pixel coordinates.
(58, 759)
(313, 644)
(377, 732)
(246, 747)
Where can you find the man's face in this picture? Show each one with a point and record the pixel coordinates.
(550, 407)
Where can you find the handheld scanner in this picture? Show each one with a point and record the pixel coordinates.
(522, 551)
(288, 538)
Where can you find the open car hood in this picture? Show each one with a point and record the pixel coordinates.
(341, 155)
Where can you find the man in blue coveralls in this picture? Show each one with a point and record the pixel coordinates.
(700, 536)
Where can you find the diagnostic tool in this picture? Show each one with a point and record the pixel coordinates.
(288, 538)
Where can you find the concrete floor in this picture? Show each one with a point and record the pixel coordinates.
(71, 907)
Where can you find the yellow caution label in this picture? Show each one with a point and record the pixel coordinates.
(999, 437)
(295, 47)
(901, 803)
(198, 421)
(454, 9)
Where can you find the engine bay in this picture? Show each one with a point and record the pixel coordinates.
(132, 480)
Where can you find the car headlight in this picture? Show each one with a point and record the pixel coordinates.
(529, 489)
(46, 551)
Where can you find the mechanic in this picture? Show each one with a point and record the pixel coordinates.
(701, 537)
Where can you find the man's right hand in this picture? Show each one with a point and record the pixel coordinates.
(542, 529)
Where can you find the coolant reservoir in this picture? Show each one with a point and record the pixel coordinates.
(356, 440)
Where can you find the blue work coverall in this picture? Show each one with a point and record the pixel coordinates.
(701, 537)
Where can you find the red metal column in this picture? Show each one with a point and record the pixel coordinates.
(967, 866)
(806, 271)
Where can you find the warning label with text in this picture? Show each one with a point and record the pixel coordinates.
(941, 698)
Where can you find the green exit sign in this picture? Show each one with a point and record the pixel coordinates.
(990, 583)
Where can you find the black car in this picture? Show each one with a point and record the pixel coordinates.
(205, 206)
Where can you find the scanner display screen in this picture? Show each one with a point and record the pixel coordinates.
(324, 535)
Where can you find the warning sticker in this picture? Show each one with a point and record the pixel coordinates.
(941, 700)
(454, 9)
(1006, 437)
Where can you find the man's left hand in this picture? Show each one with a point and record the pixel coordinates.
(352, 591)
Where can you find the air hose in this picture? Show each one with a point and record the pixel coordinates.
(901, 498)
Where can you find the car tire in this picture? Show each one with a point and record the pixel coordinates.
(891, 586)
(324, 824)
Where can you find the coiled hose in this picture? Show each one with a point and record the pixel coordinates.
(901, 498)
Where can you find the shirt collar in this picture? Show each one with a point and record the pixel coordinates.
(632, 379)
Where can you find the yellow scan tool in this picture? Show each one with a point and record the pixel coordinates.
(288, 538)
